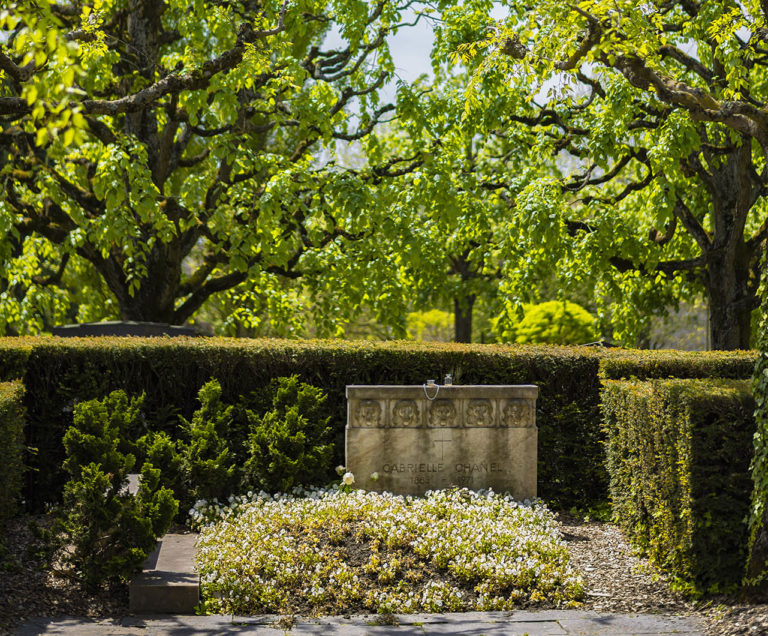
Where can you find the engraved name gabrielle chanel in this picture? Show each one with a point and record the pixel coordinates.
(481, 467)
(413, 468)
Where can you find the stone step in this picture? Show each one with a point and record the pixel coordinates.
(169, 583)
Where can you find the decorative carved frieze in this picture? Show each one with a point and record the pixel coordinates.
(518, 413)
(442, 413)
(405, 413)
(479, 413)
(368, 414)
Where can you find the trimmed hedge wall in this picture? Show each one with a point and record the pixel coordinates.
(172, 370)
(626, 364)
(678, 455)
(57, 372)
(12, 436)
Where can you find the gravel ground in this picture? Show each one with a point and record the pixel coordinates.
(616, 581)
(29, 586)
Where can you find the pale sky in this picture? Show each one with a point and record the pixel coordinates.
(410, 50)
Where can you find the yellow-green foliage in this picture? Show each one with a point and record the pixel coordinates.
(678, 455)
(757, 567)
(12, 443)
(433, 325)
(554, 322)
(619, 364)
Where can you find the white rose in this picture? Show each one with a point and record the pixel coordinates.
(348, 479)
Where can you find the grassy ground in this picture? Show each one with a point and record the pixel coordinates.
(331, 552)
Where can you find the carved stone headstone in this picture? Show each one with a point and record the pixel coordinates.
(410, 439)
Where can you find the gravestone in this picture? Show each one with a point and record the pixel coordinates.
(410, 439)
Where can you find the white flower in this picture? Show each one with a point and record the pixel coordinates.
(348, 479)
(340, 470)
(374, 476)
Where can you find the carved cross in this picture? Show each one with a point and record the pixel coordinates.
(442, 441)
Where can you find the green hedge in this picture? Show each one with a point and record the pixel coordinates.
(12, 436)
(757, 567)
(678, 455)
(171, 371)
(58, 372)
(625, 364)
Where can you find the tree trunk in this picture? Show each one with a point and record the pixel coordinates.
(155, 298)
(732, 266)
(143, 305)
(730, 302)
(462, 318)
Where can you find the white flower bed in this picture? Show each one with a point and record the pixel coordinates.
(328, 551)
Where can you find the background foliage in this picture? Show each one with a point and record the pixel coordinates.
(156, 154)
(646, 145)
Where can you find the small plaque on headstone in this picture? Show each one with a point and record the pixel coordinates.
(410, 439)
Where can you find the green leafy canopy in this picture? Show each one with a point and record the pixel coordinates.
(163, 152)
(651, 113)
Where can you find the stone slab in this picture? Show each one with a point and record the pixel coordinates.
(535, 616)
(412, 461)
(309, 629)
(122, 328)
(72, 626)
(499, 616)
(411, 439)
(465, 628)
(639, 624)
(134, 480)
(454, 391)
(169, 583)
(167, 621)
(534, 623)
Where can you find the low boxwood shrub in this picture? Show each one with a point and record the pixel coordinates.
(104, 432)
(215, 456)
(12, 436)
(105, 531)
(678, 454)
(203, 457)
(207, 458)
(290, 444)
(161, 450)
